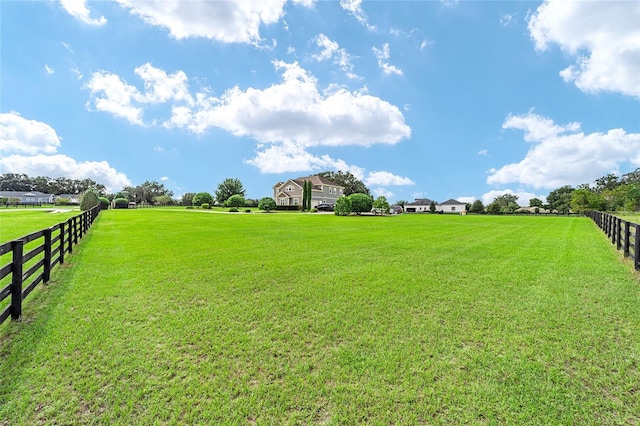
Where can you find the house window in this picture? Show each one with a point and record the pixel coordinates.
(289, 187)
(282, 201)
(330, 190)
(453, 208)
(295, 201)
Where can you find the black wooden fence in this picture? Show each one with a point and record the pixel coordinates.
(624, 234)
(56, 241)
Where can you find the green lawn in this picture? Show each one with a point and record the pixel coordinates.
(15, 223)
(189, 317)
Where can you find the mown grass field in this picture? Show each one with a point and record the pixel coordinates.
(189, 317)
(15, 223)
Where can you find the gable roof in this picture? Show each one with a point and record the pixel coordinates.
(452, 202)
(316, 181)
(420, 202)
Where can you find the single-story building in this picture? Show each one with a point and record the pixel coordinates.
(323, 191)
(422, 205)
(29, 197)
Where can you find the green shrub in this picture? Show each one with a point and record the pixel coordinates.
(201, 198)
(236, 201)
(189, 207)
(206, 206)
(247, 210)
(104, 203)
(267, 204)
(343, 206)
(233, 210)
(90, 199)
(121, 203)
(360, 203)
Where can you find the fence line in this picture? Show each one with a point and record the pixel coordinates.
(53, 248)
(624, 234)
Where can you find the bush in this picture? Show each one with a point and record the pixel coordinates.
(233, 210)
(236, 201)
(189, 207)
(121, 203)
(360, 203)
(267, 204)
(104, 203)
(247, 210)
(202, 198)
(343, 206)
(206, 206)
(60, 201)
(89, 200)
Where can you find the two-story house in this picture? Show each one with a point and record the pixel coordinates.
(323, 190)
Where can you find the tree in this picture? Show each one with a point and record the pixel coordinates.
(432, 206)
(402, 203)
(360, 203)
(235, 201)
(535, 202)
(560, 199)
(267, 204)
(90, 199)
(227, 188)
(187, 198)
(309, 194)
(505, 203)
(163, 200)
(202, 198)
(477, 207)
(583, 200)
(305, 189)
(343, 206)
(381, 204)
(352, 185)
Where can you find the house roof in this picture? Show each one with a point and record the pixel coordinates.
(316, 181)
(23, 194)
(451, 202)
(420, 202)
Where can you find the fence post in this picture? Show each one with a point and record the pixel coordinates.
(46, 271)
(16, 279)
(618, 232)
(62, 243)
(75, 230)
(627, 236)
(636, 250)
(70, 239)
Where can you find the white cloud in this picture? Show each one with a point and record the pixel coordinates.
(294, 111)
(523, 196)
(48, 69)
(355, 9)
(18, 134)
(109, 93)
(564, 155)
(383, 55)
(225, 21)
(382, 178)
(468, 200)
(382, 192)
(331, 50)
(603, 36)
(483, 152)
(286, 118)
(78, 9)
(289, 157)
(507, 20)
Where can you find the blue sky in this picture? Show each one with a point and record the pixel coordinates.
(437, 99)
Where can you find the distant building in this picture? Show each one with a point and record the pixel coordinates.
(423, 205)
(323, 191)
(29, 197)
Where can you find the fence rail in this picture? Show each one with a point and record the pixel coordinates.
(624, 234)
(56, 241)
